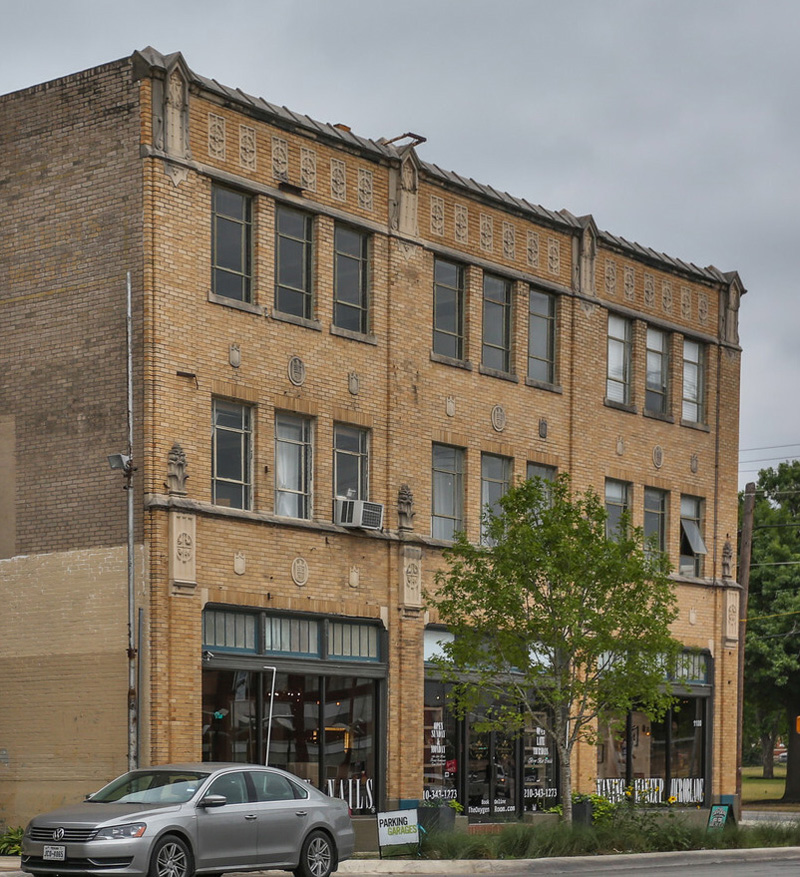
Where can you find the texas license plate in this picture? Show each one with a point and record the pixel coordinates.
(54, 854)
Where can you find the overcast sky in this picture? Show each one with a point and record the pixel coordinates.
(673, 122)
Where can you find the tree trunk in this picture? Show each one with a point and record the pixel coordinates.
(792, 792)
(566, 787)
(768, 755)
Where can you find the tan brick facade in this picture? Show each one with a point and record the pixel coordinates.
(113, 170)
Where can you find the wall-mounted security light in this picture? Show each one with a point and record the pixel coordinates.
(119, 461)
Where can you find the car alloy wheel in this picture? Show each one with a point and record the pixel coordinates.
(171, 858)
(317, 858)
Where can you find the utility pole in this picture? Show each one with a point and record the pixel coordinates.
(745, 552)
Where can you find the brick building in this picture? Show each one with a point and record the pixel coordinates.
(341, 353)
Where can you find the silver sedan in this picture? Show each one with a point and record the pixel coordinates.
(178, 820)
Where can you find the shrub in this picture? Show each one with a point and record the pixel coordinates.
(11, 842)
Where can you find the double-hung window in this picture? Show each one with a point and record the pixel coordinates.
(495, 481)
(447, 502)
(448, 309)
(496, 323)
(231, 451)
(655, 519)
(542, 337)
(350, 279)
(656, 398)
(618, 378)
(231, 241)
(350, 462)
(693, 408)
(293, 466)
(617, 504)
(293, 282)
(693, 548)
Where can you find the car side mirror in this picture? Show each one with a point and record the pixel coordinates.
(213, 801)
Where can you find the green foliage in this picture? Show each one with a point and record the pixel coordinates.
(11, 842)
(550, 614)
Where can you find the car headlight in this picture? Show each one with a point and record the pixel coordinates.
(115, 832)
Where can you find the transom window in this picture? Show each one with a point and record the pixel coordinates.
(350, 279)
(350, 462)
(693, 382)
(229, 630)
(290, 635)
(541, 336)
(447, 502)
(656, 399)
(348, 639)
(292, 466)
(293, 285)
(231, 450)
(618, 380)
(496, 323)
(448, 309)
(231, 238)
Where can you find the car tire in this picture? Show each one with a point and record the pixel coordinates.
(171, 857)
(318, 856)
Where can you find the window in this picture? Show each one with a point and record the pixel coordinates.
(230, 243)
(693, 548)
(542, 337)
(350, 279)
(230, 480)
(655, 519)
(656, 399)
(693, 382)
(540, 470)
(348, 639)
(350, 462)
(229, 630)
(496, 323)
(618, 382)
(617, 503)
(495, 481)
(291, 635)
(292, 466)
(293, 288)
(447, 503)
(448, 309)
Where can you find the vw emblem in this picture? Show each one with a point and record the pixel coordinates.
(58, 834)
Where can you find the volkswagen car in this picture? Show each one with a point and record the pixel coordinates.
(179, 820)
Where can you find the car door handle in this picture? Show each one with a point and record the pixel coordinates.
(301, 812)
(250, 817)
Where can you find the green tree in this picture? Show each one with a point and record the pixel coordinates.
(549, 613)
(772, 654)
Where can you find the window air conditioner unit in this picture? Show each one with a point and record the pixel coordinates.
(358, 513)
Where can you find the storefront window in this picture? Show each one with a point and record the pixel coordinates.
(540, 785)
(440, 753)
(230, 711)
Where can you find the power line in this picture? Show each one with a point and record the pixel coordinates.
(769, 448)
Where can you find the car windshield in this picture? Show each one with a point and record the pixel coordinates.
(150, 787)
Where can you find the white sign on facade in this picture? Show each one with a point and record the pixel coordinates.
(398, 827)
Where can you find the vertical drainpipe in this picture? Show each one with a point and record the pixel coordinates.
(133, 705)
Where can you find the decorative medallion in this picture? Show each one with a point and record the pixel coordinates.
(666, 296)
(239, 563)
(686, 303)
(354, 578)
(658, 456)
(620, 445)
(297, 371)
(216, 136)
(299, 572)
(694, 464)
(247, 147)
(184, 545)
(450, 406)
(437, 215)
(533, 249)
(308, 169)
(338, 180)
(462, 224)
(554, 256)
(487, 233)
(542, 428)
(280, 158)
(509, 241)
(235, 355)
(649, 290)
(365, 187)
(611, 277)
(498, 418)
(629, 283)
(353, 383)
